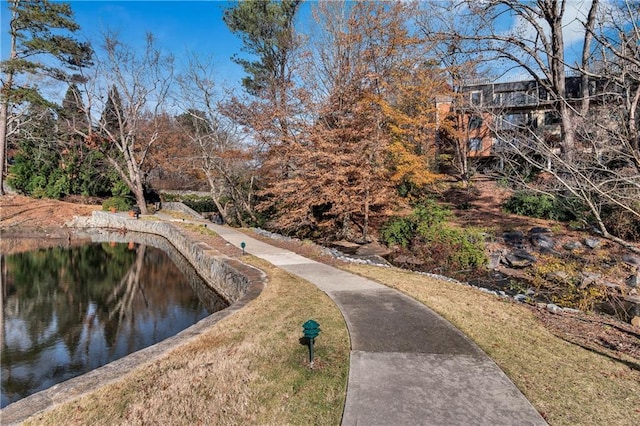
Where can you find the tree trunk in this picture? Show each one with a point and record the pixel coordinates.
(236, 195)
(555, 56)
(140, 201)
(222, 210)
(4, 109)
(634, 134)
(239, 217)
(215, 195)
(132, 180)
(136, 184)
(462, 144)
(365, 227)
(586, 55)
(567, 133)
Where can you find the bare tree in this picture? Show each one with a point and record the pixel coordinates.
(460, 62)
(599, 179)
(137, 84)
(616, 63)
(535, 44)
(217, 143)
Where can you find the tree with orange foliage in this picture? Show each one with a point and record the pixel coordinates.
(170, 162)
(411, 121)
(372, 125)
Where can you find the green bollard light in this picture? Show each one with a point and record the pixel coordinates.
(243, 245)
(311, 329)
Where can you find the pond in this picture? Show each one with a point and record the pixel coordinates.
(69, 310)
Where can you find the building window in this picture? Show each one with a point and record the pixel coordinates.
(551, 117)
(476, 98)
(475, 122)
(475, 144)
(497, 144)
(513, 121)
(514, 98)
(543, 95)
(574, 91)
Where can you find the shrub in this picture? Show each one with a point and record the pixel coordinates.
(401, 230)
(426, 230)
(460, 249)
(429, 213)
(58, 185)
(36, 186)
(623, 224)
(121, 204)
(201, 204)
(40, 171)
(398, 231)
(542, 206)
(119, 188)
(559, 281)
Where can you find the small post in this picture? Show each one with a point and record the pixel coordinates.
(243, 245)
(311, 329)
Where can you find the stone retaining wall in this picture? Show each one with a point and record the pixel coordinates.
(219, 271)
(182, 208)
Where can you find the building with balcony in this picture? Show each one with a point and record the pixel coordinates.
(491, 115)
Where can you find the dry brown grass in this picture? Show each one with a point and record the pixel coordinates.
(569, 385)
(249, 369)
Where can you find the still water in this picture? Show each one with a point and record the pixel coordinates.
(66, 311)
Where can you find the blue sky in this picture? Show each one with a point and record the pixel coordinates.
(195, 26)
(179, 26)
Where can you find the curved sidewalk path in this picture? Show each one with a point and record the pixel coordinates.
(408, 366)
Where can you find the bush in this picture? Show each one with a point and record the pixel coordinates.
(40, 171)
(559, 280)
(401, 230)
(622, 223)
(398, 232)
(429, 213)
(120, 204)
(542, 206)
(58, 186)
(201, 204)
(454, 249)
(443, 246)
(119, 188)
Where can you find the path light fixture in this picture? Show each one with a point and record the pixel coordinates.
(243, 245)
(311, 329)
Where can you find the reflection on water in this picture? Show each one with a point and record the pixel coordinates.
(66, 311)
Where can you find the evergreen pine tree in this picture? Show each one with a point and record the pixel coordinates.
(36, 28)
(112, 119)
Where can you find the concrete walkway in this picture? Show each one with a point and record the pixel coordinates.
(408, 365)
